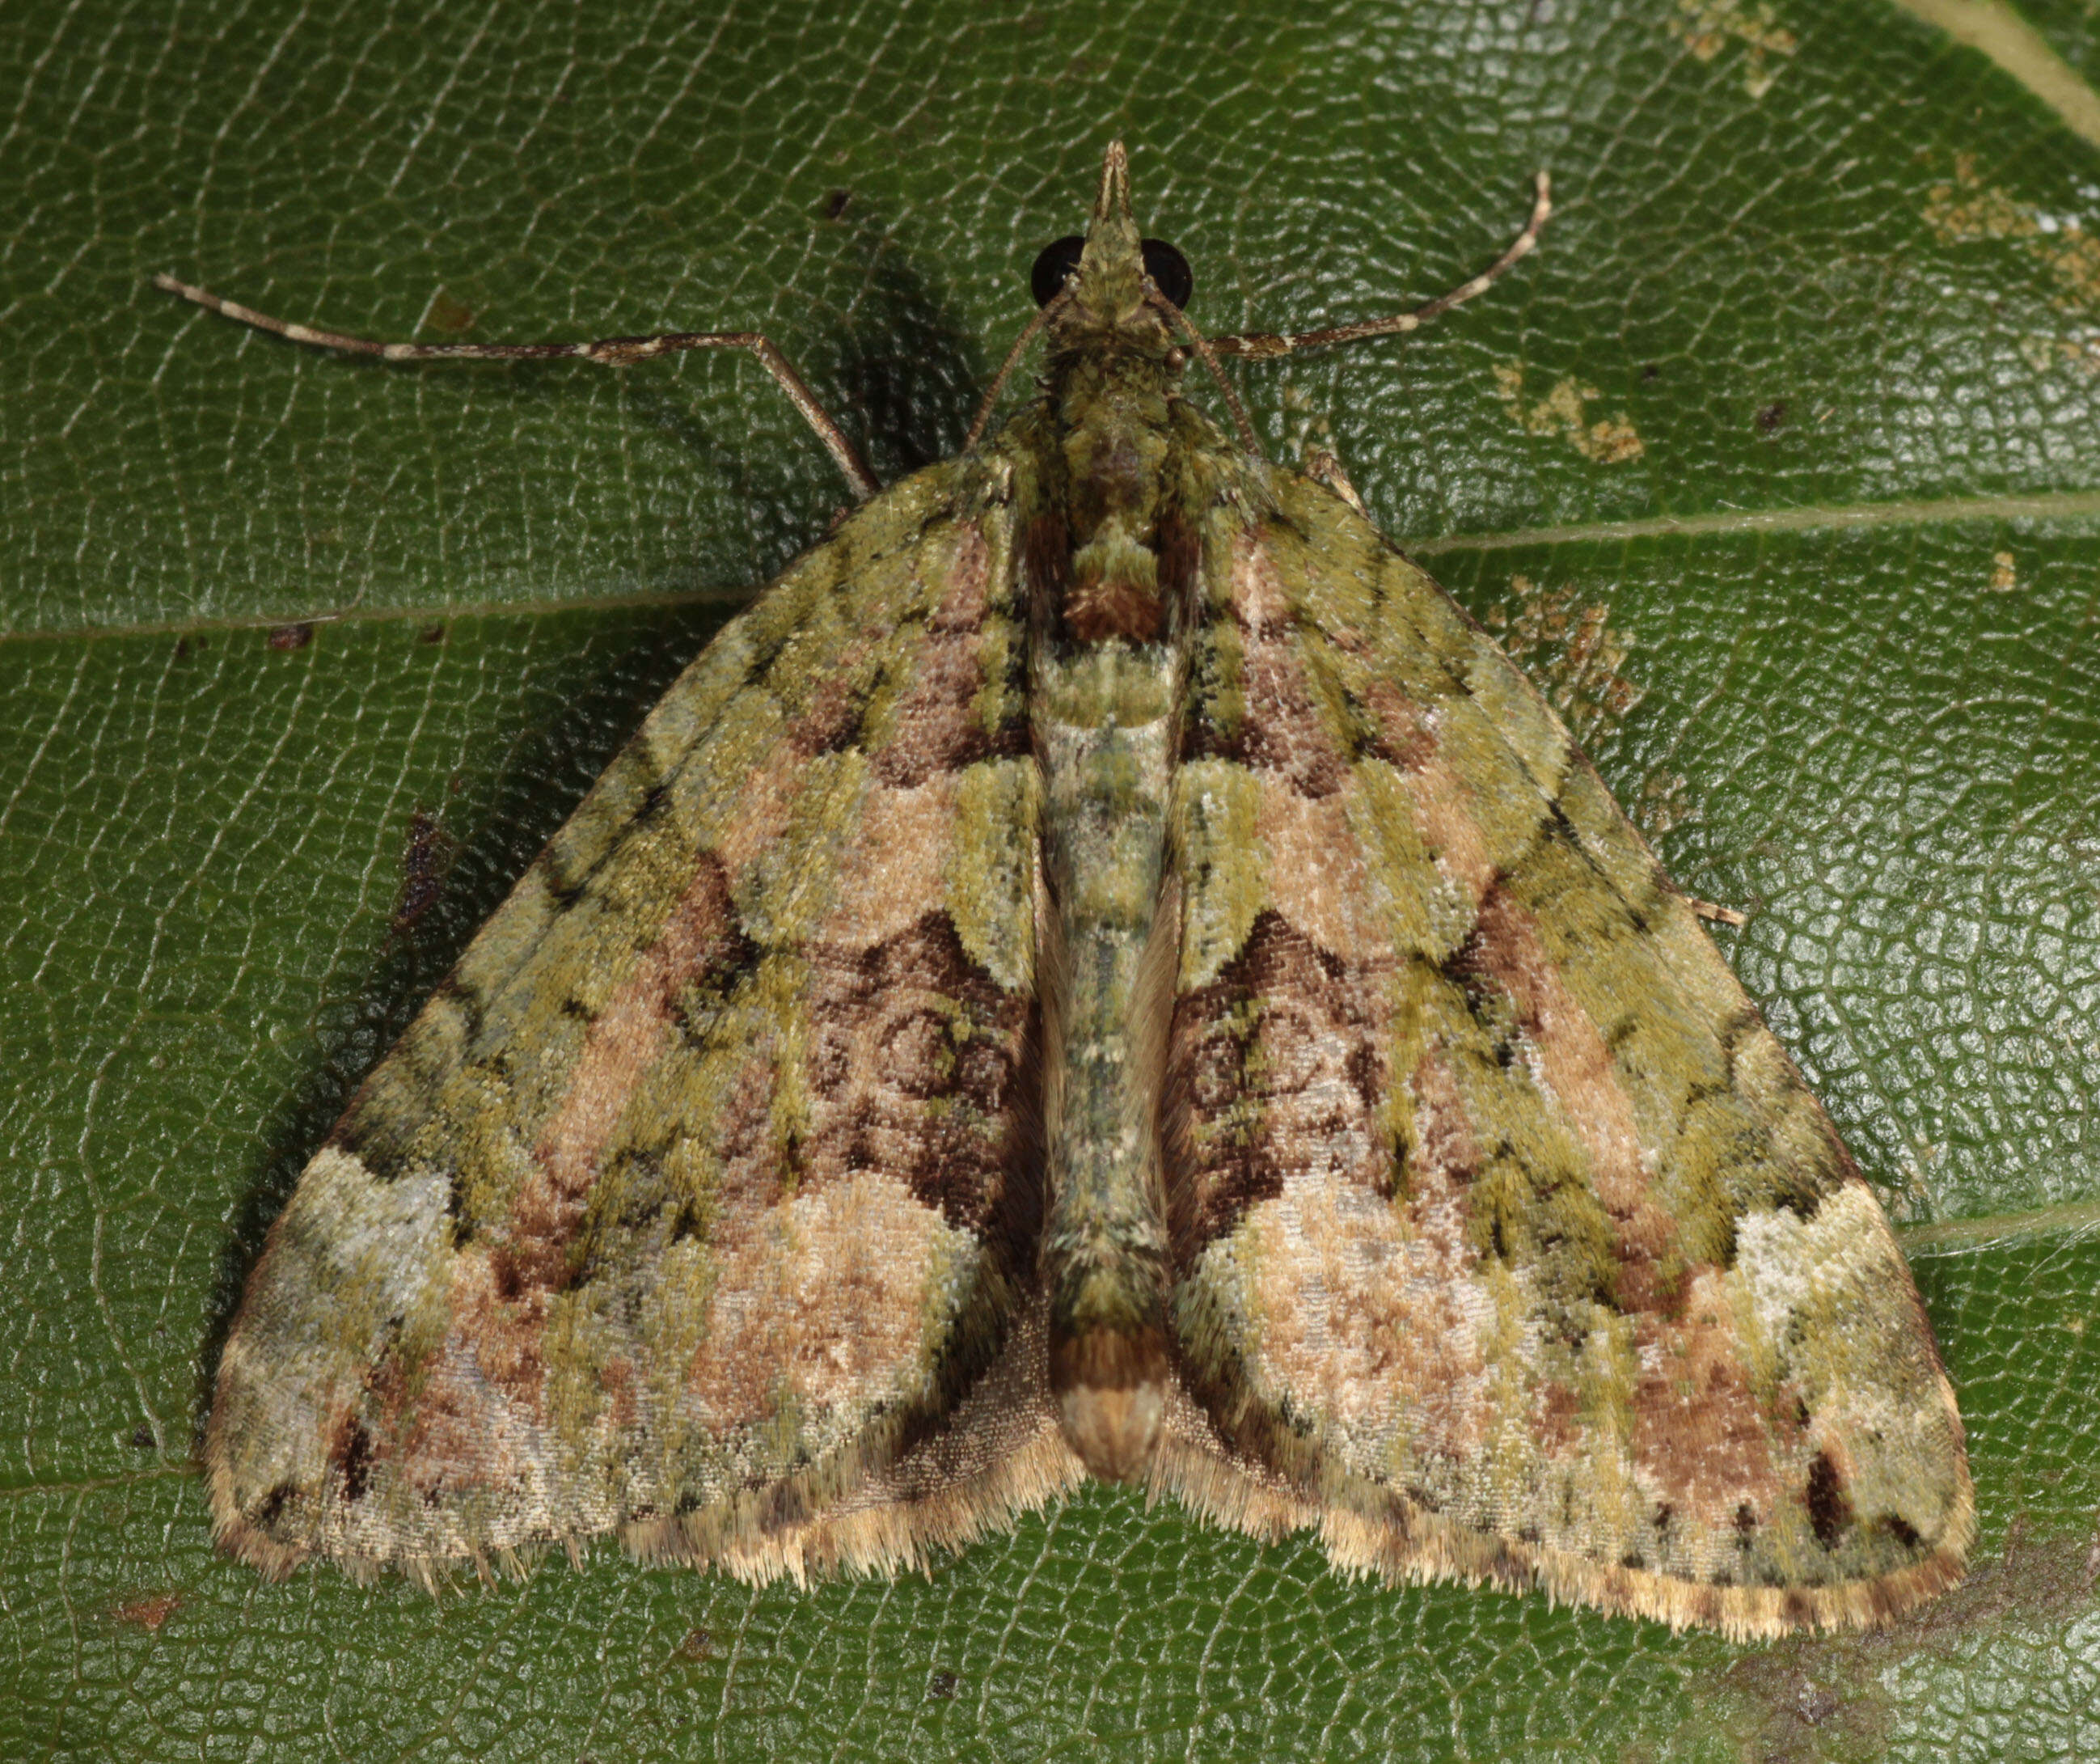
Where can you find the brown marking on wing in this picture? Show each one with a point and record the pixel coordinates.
(467, 1417)
(1260, 603)
(1112, 603)
(503, 1323)
(1445, 1156)
(916, 1070)
(894, 865)
(1574, 1066)
(1316, 867)
(1279, 734)
(1830, 1511)
(1273, 1072)
(1181, 543)
(819, 1307)
(616, 1379)
(1368, 1327)
(623, 1040)
(1454, 839)
(1046, 554)
(1369, 1315)
(488, 1378)
(1555, 1417)
(939, 726)
(1283, 735)
(752, 1171)
(764, 804)
(1701, 1436)
(1400, 732)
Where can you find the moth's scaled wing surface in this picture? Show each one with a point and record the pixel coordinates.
(1104, 965)
(707, 1184)
(1509, 1244)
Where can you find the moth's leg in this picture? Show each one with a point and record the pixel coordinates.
(1261, 345)
(1323, 466)
(611, 352)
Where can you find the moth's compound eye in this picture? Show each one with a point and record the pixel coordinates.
(1053, 263)
(1169, 270)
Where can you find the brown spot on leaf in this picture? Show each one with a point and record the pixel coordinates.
(1772, 418)
(149, 1611)
(426, 862)
(290, 636)
(1565, 641)
(448, 314)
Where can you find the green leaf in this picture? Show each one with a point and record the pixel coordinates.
(1777, 465)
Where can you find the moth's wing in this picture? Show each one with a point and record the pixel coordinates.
(1509, 1244)
(706, 1188)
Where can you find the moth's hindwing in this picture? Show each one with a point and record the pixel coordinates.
(1508, 1242)
(708, 1181)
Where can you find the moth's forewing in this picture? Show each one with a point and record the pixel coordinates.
(1507, 1236)
(708, 1183)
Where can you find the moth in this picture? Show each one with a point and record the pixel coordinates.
(1103, 970)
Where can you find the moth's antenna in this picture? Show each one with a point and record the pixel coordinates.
(608, 351)
(1029, 333)
(1263, 346)
(1180, 320)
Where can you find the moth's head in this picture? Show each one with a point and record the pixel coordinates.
(1105, 277)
